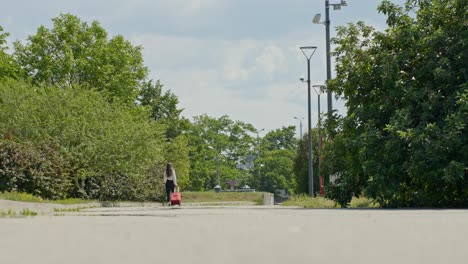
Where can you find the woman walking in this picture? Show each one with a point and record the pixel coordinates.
(170, 180)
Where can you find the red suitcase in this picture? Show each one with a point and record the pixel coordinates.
(175, 197)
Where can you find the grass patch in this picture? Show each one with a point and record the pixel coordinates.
(9, 213)
(320, 202)
(20, 197)
(309, 202)
(27, 212)
(70, 201)
(363, 202)
(211, 196)
(26, 197)
(12, 213)
(72, 209)
(76, 209)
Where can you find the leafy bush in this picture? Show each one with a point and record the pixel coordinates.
(341, 194)
(38, 171)
(131, 187)
(72, 142)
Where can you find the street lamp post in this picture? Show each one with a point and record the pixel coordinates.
(318, 91)
(308, 52)
(327, 36)
(258, 131)
(316, 20)
(300, 126)
(258, 141)
(217, 168)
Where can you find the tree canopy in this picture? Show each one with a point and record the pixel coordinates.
(8, 66)
(217, 138)
(404, 139)
(104, 130)
(275, 162)
(75, 52)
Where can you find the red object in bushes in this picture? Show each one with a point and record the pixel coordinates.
(322, 186)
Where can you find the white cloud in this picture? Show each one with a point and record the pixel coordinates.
(218, 56)
(235, 59)
(271, 60)
(250, 80)
(190, 8)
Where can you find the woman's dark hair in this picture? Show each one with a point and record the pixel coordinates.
(169, 170)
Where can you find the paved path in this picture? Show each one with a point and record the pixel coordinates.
(236, 235)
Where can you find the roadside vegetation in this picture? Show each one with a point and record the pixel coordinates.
(80, 120)
(20, 197)
(324, 203)
(26, 197)
(71, 201)
(11, 213)
(74, 209)
(309, 202)
(210, 197)
(188, 197)
(404, 139)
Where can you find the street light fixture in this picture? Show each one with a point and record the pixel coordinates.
(316, 20)
(300, 124)
(258, 131)
(308, 52)
(318, 90)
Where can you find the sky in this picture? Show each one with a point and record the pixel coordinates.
(238, 58)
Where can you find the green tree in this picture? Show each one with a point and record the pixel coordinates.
(404, 139)
(176, 152)
(278, 139)
(301, 164)
(274, 166)
(75, 52)
(274, 171)
(164, 108)
(8, 66)
(209, 137)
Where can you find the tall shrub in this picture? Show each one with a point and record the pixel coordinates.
(98, 139)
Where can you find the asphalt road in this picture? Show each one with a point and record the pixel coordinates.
(236, 235)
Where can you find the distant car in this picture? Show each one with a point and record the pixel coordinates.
(246, 188)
